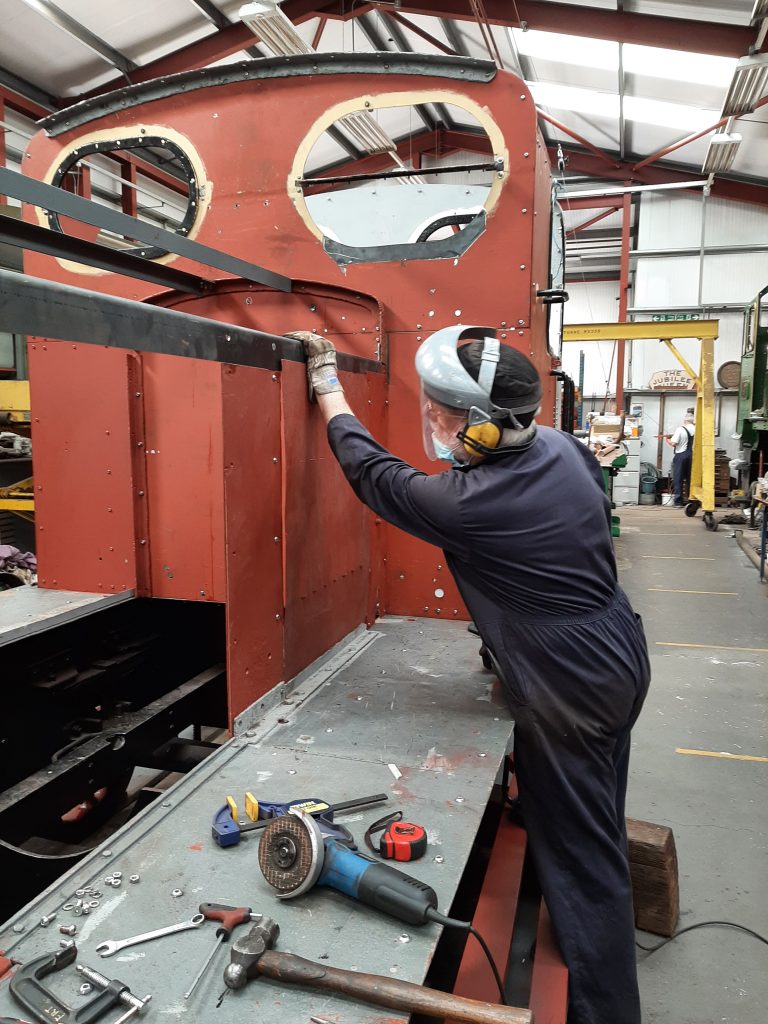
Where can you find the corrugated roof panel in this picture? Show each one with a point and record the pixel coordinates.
(730, 12)
(141, 26)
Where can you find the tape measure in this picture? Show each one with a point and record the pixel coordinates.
(400, 840)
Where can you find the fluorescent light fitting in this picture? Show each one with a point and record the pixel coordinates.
(721, 153)
(760, 10)
(747, 86)
(265, 19)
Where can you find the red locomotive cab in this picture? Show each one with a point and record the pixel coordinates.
(395, 195)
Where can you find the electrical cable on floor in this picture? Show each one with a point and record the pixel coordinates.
(702, 924)
(452, 922)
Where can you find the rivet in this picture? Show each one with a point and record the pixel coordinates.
(439, 859)
(525, 209)
(459, 800)
(526, 154)
(522, 266)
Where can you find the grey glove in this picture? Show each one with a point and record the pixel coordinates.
(322, 372)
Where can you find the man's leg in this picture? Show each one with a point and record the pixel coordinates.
(685, 487)
(569, 794)
(677, 478)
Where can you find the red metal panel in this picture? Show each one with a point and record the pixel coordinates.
(414, 570)
(549, 983)
(252, 502)
(85, 480)
(326, 534)
(185, 486)
(494, 916)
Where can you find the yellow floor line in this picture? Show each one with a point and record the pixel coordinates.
(723, 754)
(713, 647)
(682, 558)
(711, 593)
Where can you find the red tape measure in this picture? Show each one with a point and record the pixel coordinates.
(401, 840)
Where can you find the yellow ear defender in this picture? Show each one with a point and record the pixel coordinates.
(481, 436)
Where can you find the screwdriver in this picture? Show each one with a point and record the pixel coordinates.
(230, 917)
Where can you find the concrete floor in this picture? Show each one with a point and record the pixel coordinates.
(709, 696)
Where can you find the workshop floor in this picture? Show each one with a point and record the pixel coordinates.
(706, 618)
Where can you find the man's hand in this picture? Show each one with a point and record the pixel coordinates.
(322, 372)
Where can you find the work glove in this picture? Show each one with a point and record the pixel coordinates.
(322, 372)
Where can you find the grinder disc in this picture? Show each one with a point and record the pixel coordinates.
(291, 853)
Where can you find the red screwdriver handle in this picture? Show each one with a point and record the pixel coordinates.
(230, 917)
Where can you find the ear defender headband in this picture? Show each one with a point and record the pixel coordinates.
(482, 434)
(445, 379)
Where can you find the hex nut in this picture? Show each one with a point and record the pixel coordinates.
(176, 893)
(117, 874)
(134, 879)
(85, 989)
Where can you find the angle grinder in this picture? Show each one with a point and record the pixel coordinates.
(298, 852)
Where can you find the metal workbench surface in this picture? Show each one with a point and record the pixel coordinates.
(404, 709)
(27, 610)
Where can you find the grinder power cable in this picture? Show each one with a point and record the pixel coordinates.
(298, 852)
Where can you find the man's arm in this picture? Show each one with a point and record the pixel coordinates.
(425, 506)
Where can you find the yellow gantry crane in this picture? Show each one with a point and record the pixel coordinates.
(702, 488)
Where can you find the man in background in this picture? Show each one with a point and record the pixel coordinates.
(682, 443)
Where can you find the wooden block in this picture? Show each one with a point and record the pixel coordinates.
(653, 867)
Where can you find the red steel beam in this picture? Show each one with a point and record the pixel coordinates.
(318, 32)
(626, 224)
(22, 105)
(593, 220)
(417, 30)
(622, 26)
(585, 163)
(576, 137)
(689, 138)
(128, 198)
(150, 171)
(698, 36)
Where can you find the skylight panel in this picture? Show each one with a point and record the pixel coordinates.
(679, 66)
(567, 97)
(668, 115)
(678, 116)
(578, 50)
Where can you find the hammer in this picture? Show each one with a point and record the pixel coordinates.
(253, 956)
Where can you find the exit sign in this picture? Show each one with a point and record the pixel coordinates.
(658, 318)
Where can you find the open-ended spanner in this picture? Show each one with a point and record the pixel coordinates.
(111, 946)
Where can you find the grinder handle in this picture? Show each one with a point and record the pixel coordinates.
(388, 992)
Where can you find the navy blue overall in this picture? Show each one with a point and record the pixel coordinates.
(527, 538)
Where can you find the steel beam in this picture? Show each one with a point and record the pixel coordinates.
(210, 11)
(686, 34)
(402, 44)
(626, 224)
(46, 309)
(724, 188)
(592, 220)
(393, 15)
(47, 197)
(92, 254)
(26, 98)
(74, 28)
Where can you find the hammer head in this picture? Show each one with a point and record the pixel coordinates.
(245, 952)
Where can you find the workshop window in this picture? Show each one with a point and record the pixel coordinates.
(150, 178)
(400, 183)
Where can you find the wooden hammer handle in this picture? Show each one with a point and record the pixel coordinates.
(389, 992)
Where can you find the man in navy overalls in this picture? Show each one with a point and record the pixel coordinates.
(525, 526)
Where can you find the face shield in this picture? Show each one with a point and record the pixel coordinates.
(440, 426)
